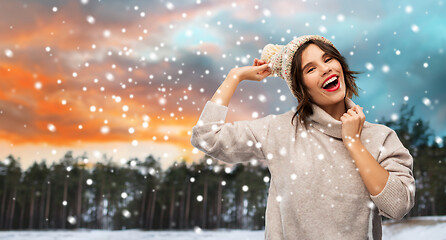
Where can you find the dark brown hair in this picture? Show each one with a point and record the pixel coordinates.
(303, 109)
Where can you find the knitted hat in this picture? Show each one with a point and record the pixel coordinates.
(280, 57)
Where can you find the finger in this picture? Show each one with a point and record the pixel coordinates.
(263, 74)
(258, 62)
(361, 115)
(359, 112)
(358, 109)
(351, 112)
(262, 67)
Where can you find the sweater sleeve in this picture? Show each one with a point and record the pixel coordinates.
(397, 197)
(229, 142)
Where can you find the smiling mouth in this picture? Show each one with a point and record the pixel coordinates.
(331, 84)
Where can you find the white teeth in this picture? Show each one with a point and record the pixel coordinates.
(329, 81)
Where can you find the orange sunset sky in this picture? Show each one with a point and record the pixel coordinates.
(101, 78)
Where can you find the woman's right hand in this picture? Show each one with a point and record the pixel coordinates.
(257, 72)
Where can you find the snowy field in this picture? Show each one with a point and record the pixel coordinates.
(431, 228)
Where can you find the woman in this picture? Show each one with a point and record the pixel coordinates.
(333, 173)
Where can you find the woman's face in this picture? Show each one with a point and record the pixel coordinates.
(318, 69)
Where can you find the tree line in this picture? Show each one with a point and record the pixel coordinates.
(75, 193)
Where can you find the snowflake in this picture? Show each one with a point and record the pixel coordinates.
(283, 151)
(106, 33)
(105, 129)
(126, 213)
(91, 20)
(269, 156)
(89, 181)
(322, 29)
(199, 198)
(51, 127)
(426, 101)
(38, 85)
(262, 98)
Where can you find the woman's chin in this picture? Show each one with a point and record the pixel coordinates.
(336, 98)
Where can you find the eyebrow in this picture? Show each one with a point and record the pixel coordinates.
(308, 64)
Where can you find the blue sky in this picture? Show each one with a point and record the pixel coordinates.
(397, 45)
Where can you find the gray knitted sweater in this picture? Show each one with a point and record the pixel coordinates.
(315, 191)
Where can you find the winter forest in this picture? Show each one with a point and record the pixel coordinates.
(74, 193)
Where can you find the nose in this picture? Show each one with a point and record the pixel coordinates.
(326, 69)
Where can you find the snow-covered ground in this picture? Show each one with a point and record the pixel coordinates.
(131, 235)
(432, 228)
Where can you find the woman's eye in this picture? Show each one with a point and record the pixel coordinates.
(328, 59)
(309, 70)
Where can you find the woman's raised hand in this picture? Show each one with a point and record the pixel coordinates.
(258, 71)
(352, 124)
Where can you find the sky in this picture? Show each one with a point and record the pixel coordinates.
(126, 79)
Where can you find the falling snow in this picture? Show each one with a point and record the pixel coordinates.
(51, 127)
(369, 66)
(153, 77)
(9, 53)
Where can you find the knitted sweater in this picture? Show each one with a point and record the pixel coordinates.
(316, 191)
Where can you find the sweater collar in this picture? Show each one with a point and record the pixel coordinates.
(325, 123)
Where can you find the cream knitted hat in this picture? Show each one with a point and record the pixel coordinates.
(280, 57)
